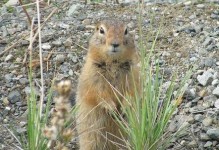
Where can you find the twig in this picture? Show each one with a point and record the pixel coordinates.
(25, 11)
(80, 46)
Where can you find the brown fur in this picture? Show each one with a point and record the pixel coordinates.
(95, 95)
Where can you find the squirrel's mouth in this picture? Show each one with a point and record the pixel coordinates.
(113, 50)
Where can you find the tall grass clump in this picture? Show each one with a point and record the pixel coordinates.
(149, 111)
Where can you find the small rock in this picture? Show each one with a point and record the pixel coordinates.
(63, 25)
(205, 79)
(216, 91)
(81, 27)
(209, 62)
(204, 137)
(190, 94)
(213, 133)
(86, 22)
(9, 57)
(60, 58)
(200, 6)
(192, 144)
(68, 42)
(208, 144)
(73, 9)
(215, 82)
(202, 93)
(214, 16)
(207, 41)
(190, 120)
(46, 46)
(211, 47)
(187, 3)
(198, 28)
(199, 117)
(207, 121)
(71, 73)
(57, 42)
(14, 96)
(23, 81)
(216, 104)
(5, 101)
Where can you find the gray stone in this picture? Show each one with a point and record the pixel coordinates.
(198, 28)
(14, 96)
(73, 9)
(216, 104)
(190, 94)
(57, 42)
(216, 91)
(60, 58)
(207, 121)
(200, 6)
(215, 82)
(8, 77)
(81, 27)
(214, 16)
(199, 117)
(23, 81)
(211, 47)
(46, 46)
(209, 62)
(204, 137)
(207, 41)
(206, 78)
(192, 144)
(213, 133)
(9, 57)
(208, 144)
(68, 42)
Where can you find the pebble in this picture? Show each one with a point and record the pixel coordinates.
(14, 96)
(206, 78)
(200, 6)
(68, 42)
(208, 144)
(207, 121)
(199, 117)
(73, 9)
(57, 42)
(9, 57)
(192, 144)
(204, 137)
(215, 82)
(5, 101)
(216, 104)
(46, 46)
(60, 58)
(23, 81)
(216, 91)
(207, 41)
(213, 133)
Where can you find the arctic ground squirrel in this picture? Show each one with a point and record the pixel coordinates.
(110, 71)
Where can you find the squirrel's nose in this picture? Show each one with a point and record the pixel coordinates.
(115, 45)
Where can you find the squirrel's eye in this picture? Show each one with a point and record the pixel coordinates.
(126, 31)
(101, 31)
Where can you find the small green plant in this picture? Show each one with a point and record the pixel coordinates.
(148, 112)
(10, 9)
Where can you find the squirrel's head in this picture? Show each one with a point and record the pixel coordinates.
(111, 38)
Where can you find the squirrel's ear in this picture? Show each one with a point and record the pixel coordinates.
(97, 26)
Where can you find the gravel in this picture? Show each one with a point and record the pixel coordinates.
(188, 38)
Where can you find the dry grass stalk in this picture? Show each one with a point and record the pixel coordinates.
(59, 136)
